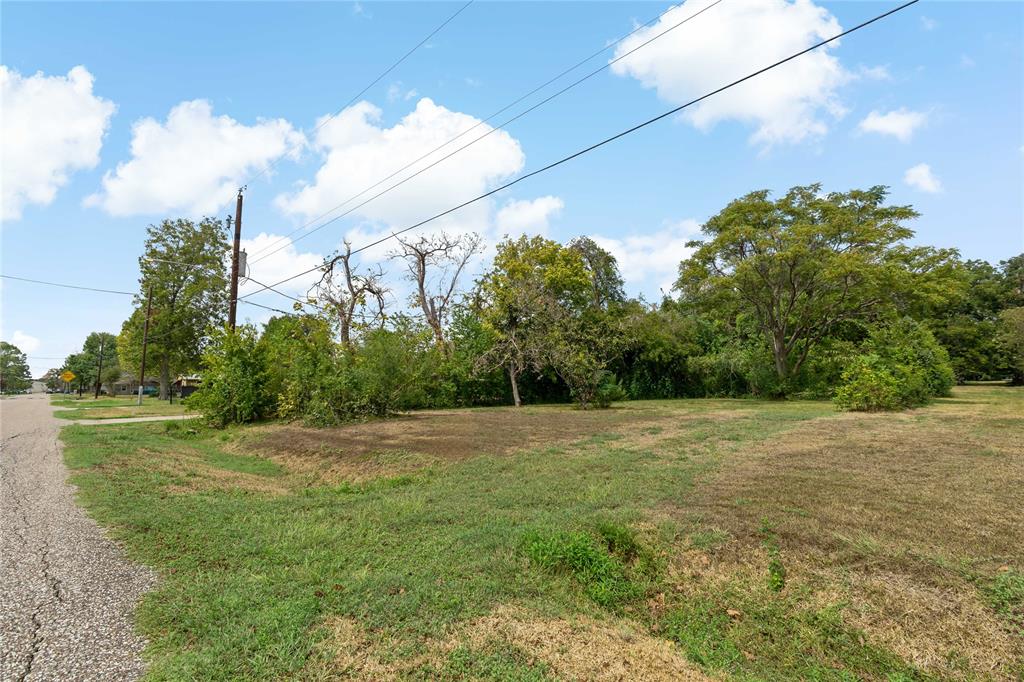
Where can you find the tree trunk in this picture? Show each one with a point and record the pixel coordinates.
(165, 378)
(515, 386)
(779, 353)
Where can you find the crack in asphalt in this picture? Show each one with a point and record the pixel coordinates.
(67, 608)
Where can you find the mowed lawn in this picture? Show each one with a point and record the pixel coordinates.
(662, 540)
(88, 407)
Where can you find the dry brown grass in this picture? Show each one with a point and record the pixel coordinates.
(367, 450)
(893, 514)
(582, 648)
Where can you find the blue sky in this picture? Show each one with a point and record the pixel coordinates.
(928, 102)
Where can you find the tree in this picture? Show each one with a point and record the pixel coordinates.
(14, 371)
(347, 291)
(606, 282)
(1011, 336)
(99, 358)
(530, 280)
(184, 263)
(435, 263)
(234, 388)
(806, 264)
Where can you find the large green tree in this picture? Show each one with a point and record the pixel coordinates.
(185, 266)
(805, 264)
(14, 371)
(531, 282)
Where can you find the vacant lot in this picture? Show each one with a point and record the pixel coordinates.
(658, 540)
(88, 407)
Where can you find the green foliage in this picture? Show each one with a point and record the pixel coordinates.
(500, 663)
(1011, 339)
(392, 368)
(601, 573)
(234, 386)
(188, 300)
(805, 264)
(1005, 593)
(776, 637)
(14, 371)
(908, 343)
(902, 366)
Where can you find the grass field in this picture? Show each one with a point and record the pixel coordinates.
(88, 407)
(657, 540)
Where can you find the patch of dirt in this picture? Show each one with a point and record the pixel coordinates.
(405, 443)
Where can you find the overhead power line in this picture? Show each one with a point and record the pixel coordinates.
(328, 119)
(482, 122)
(610, 139)
(68, 286)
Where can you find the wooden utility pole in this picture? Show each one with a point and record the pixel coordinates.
(145, 341)
(99, 369)
(234, 261)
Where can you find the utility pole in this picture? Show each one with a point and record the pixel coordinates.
(99, 369)
(234, 261)
(145, 340)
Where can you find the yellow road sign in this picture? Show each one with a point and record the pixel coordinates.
(67, 376)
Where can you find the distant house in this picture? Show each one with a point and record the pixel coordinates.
(187, 385)
(129, 385)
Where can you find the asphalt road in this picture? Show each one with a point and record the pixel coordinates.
(67, 593)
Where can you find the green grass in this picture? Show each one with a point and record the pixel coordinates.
(249, 577)
(114, 408)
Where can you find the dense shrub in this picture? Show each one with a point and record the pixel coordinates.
(902, 366)
(909, 343)
(235, 382)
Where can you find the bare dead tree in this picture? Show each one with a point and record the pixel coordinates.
(435, 263)
(351, 295)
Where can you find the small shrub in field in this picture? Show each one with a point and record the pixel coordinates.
(602, 574)
(234, 388)
(908, 343)
(869, 385)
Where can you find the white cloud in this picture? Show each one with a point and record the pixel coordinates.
(922, 178)
(358, 152)
(928, 24)
(732, 40)
(25, 343)
(360, 11)
(875, 73)
(900, 123)
(51, 126)
(649, 262)
(397, 92)
(966, 62)
(276, 266)
(192, 163)
(528, 216)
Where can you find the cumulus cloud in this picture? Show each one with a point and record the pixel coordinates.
(193, 162)
(921, 177)
(900, 123)
(51, 126)
(275, 264)
(529, 216)
(26, 344)
(649, 262)
(358, 151)
(731, 40)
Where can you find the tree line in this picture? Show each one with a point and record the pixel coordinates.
(808, 295)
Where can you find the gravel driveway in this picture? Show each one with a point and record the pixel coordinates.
(67, 593)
